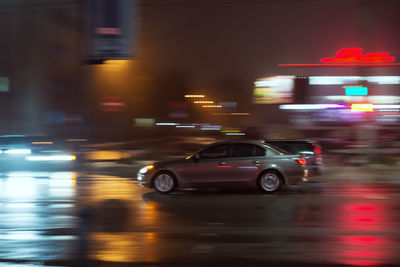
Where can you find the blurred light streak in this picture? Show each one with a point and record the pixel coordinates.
(20, 188)
(21, 235)
(20, 205)
(274, 90)
(211, 127)
(77, 140)
(233, 114)
(18, 151)
(195, 96)
(27, 174)
(42, 143)
(386, 106)
(338, 64)
(235, 134)
(203, 102)
(212, 106)
(364, 107)
(185, 126)
(311, 106)
(63, 175)
(108, 31)
(116, 62)
(51, 158)
(230, 131)
(356, 90)
(123, 247)
(104, 155)
(144, 121)
(332, 80)
(384, 99)
(166, 123)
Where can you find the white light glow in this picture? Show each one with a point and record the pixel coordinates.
(235, 134)
(386, 106)
(331, 80)
(376, 99)
(18, 151)
(211, 128)
(311, 106)
(166, 124)
(185, 126)
(28, 174)
(194, 96)
(146, 169)
(51, 158)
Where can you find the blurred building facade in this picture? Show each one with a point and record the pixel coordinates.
(48, 86)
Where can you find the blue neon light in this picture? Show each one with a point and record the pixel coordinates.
(356, 90)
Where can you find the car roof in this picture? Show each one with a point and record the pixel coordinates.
(291, 140)
(255, 142)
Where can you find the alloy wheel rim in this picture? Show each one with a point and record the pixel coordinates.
(270, 182)
(164, 182)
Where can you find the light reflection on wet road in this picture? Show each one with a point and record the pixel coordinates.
(67, 218)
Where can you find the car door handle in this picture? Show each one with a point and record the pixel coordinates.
(256, 162)
(222, 163)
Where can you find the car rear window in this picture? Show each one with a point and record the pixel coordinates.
(294, 147)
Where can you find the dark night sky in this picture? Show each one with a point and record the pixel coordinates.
(212, 40)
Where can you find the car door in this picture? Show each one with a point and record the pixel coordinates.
(245, 162)
(210, 167)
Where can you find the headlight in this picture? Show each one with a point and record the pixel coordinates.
(146, 169)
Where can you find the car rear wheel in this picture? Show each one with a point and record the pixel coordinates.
(269, 181)
(164, 182)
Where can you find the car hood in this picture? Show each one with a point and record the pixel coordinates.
(165, 163)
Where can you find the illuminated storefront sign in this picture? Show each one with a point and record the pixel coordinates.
(352, 57)
(274, 90)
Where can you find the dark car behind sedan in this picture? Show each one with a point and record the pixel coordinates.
(309, 149)
(250, 163)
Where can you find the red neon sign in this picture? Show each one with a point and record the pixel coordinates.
(353, 57)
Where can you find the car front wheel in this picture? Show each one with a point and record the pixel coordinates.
(269, 181)
(164, 182)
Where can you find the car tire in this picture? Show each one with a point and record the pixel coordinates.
(164, 182)
(269, 181)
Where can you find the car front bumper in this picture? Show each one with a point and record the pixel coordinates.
(144, 179)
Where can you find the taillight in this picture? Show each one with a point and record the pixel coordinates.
(317, 150)
(301, 161)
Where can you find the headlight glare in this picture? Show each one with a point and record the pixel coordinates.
(146, 169)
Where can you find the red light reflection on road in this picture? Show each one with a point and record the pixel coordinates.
(363, 250)
(362, 217)
(369, 219)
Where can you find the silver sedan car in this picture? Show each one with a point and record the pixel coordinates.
(250, 163)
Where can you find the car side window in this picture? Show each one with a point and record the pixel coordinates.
(247, 150)
(219, 151)
(243, 150)
(259, 151)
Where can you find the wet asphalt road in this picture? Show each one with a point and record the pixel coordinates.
(76, 219)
